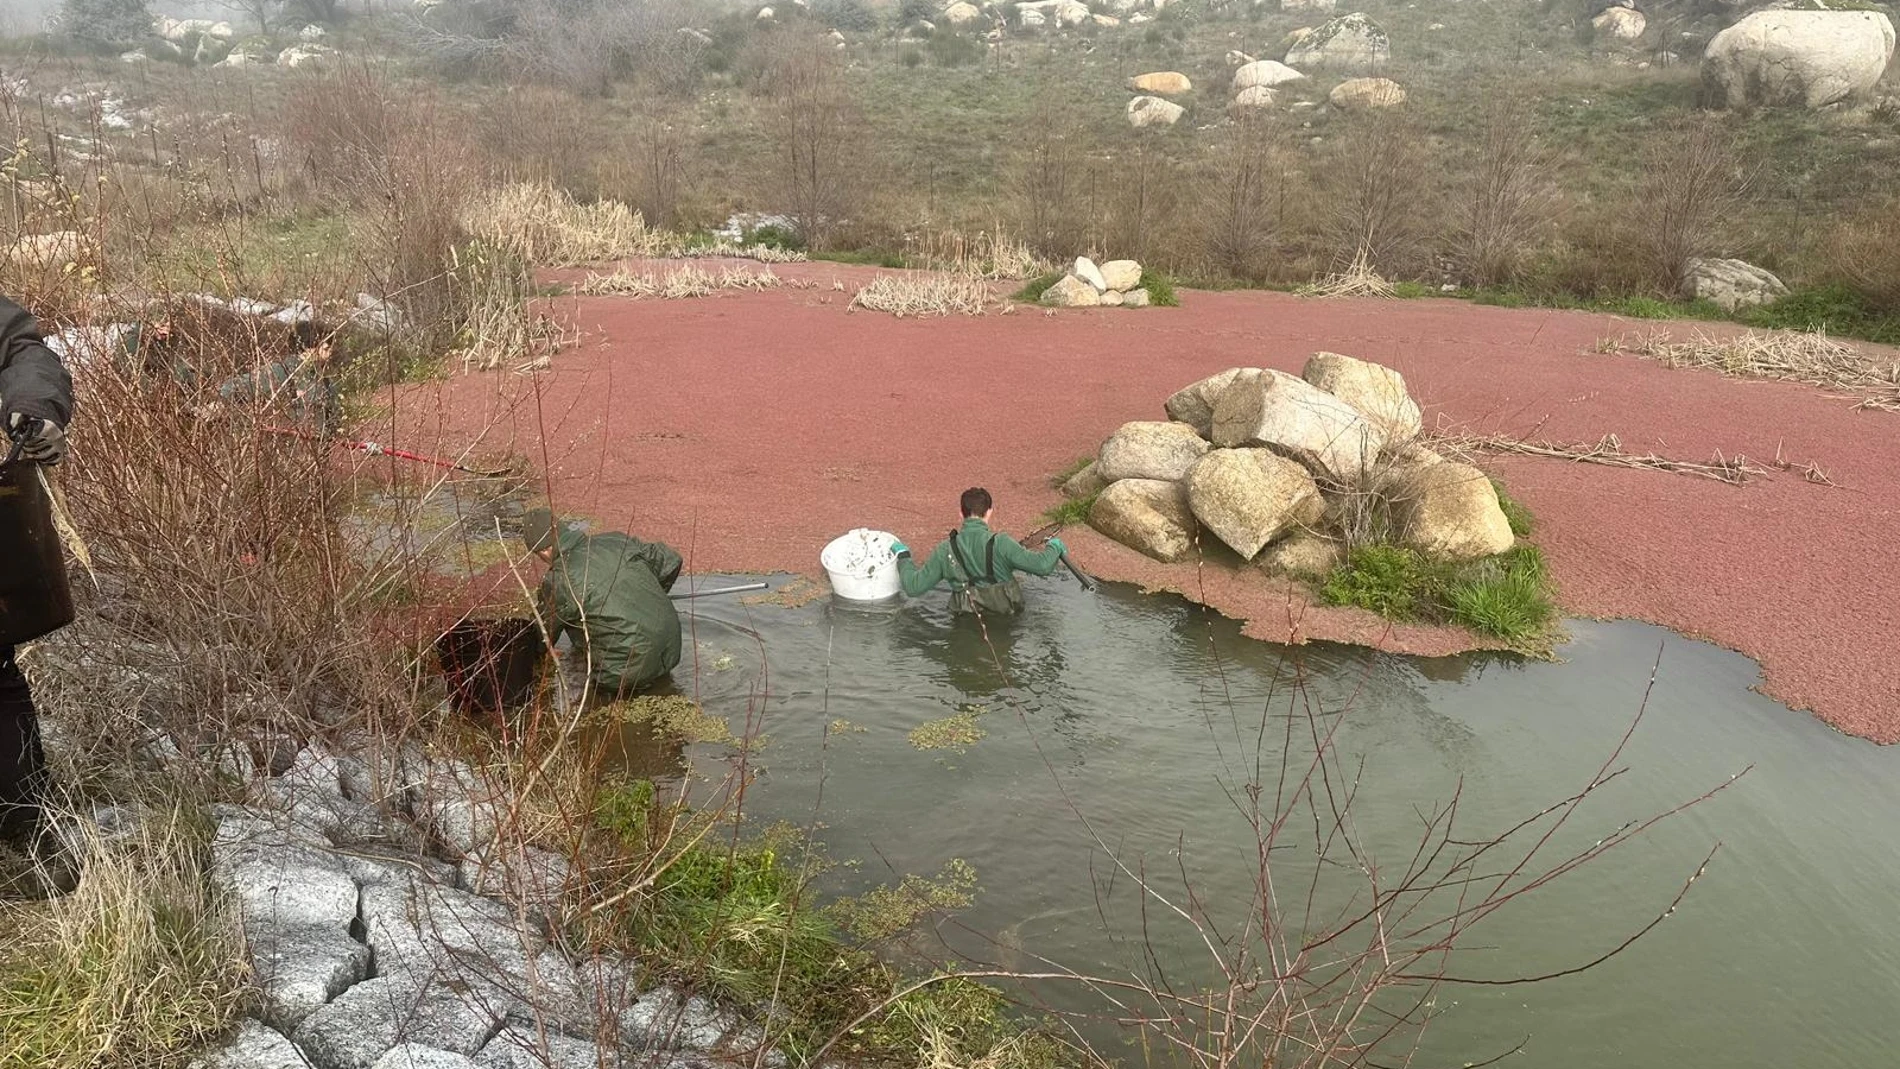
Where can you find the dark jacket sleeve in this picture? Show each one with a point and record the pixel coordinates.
(32, 379)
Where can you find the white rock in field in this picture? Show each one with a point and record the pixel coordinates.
(1359, 93)
(1297, 7)
(1731, 284)
(1255, 96)
(1105, 20)
(46, 251)
(1249, 497)
(1620, 23)
(1086, 270)
(1448, 511)
(1373, 390)
(1148, 449)
(422, 1056)
(1193, 404)
(1350, 42)
(1112, 299)
(1148, 515)
(1798, 58)
(312, 32)
(1153, 111)
(766, 14)
(1121, 275)
(962, 13)
(304, 55)
(1297, 419)
(1166, 83)
(1267, 73)
(1236, 58)
(1136, 299)
(1071, 292)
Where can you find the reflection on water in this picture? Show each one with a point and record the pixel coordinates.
(1143, 715)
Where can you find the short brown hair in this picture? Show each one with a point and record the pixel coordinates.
(976, 501)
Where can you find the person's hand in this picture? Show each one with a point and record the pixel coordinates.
(1056, 544)
(43, 441)
(898, 548)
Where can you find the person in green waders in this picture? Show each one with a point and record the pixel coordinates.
(607, 594)
(979, 564)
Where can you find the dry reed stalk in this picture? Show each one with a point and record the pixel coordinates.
(1358, 280)
(678, 283)
(925, 295)
(1608, 451)
(1808, 357)
(545, 226)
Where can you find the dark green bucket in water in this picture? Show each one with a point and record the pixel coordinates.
(35, 599)
(491, 666)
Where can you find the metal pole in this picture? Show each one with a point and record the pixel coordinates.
(721, 590)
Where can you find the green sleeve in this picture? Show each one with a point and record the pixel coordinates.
(660, 558)
(560, 613)
(1022, 560)
(920, 581)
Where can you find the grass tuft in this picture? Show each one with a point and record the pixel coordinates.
(1506, 596)
(925, 295)
(1515, 513)
(140, 966)
(1033, 290)
(1160, 290)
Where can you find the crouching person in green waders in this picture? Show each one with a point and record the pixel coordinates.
(607, 593)
(979, 564)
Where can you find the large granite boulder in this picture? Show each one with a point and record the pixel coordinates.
(1731, 284)
(1376, 392)
(1351, 42)
(1193, 404)
(1148, 449)
(1265, 74)
(1071, 292)
(1249, 497)
(1304, 554)
(1149, 515)
(1297, 419)
(1447, 511)
(1148, 111)
(1798, 58)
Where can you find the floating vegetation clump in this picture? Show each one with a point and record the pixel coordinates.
(958, 732)
(670, 714)
(798, 593)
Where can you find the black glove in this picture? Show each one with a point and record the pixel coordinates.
(42, 440)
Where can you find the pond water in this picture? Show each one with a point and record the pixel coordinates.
(1132, 722)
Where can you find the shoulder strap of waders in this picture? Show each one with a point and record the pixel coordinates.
(989, 560)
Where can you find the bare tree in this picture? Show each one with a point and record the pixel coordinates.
(1507, 201)
(1378, 197)
(1696, 177)
(1240, 213)
(813, 125)
(1049, 180)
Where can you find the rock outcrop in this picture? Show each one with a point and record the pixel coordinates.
(1114, 283)
(1149, 515)
(1249, 497)
(1266, 73)
(1798, 58)
(1121, 275)
(1622, 24)
(1361, 93)
(1351, 42)
(1071, 292)
(1304, 554)
(1151, 450)
(1254, 97)
(1276, 411)
(1731, 284)
(1149, 111)
(1166, 83)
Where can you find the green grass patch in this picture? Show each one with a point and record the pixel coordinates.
(1507, 596)
(739, 917)
(1412, 291)
(1836, 309)
(1033, 290)
(1160, 290)
(1515, 513)
(1071, 512)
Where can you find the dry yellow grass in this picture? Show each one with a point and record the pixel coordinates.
(1809, 357)
(925, 294)
(677, 283)
(546, 227)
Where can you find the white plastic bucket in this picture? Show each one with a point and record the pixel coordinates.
(861, 565)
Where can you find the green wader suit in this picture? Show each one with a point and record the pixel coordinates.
(980, 565)
(607, 592)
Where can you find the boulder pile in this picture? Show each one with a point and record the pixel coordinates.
(1276, 467)
(1114, 283)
